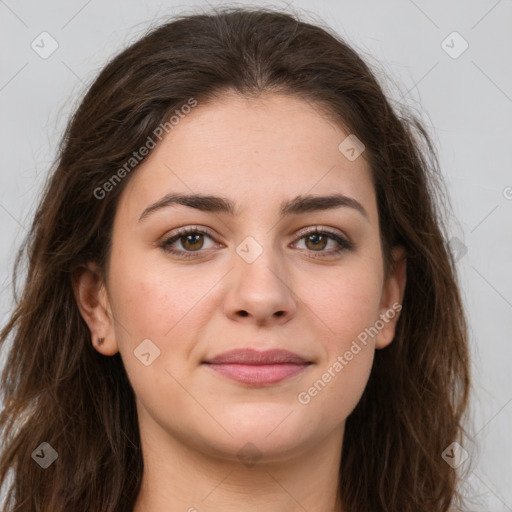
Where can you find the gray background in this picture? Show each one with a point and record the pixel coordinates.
(466, 103)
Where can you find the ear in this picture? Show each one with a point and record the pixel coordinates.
(93, 303)
(392, 297)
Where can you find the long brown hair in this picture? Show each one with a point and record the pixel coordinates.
(58, 389)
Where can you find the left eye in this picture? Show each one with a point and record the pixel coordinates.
(318, 240)
(192, 241)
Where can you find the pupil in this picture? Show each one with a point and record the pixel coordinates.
(189, 238)
(317, 238)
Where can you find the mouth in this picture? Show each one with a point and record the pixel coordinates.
(257, 368)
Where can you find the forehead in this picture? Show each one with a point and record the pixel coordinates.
(254, 150)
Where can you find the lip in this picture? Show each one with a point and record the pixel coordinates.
(255, 357)
(258, 368)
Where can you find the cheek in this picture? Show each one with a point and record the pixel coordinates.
(348, 306)
(165, 305)
(152, 298)
(152, 303)
(346, 301)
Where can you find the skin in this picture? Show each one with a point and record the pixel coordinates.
(193, 422)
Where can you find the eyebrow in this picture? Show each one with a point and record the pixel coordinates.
(219, 204)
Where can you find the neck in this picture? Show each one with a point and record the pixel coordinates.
(182, 475)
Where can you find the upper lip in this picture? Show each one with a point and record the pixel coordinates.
(256, 357)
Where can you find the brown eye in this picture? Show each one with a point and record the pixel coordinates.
(190, 239)
(317, 241)
(192, 242)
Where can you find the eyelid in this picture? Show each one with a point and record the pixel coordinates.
(320, 228)
(189, 228)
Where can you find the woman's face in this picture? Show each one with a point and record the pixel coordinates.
(259, 279)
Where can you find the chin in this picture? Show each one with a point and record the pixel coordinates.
(268, 436)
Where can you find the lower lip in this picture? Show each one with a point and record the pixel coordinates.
(258, 375)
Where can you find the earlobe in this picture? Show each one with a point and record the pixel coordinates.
(392, 297)
(93, 303)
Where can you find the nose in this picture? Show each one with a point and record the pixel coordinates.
(260, 292)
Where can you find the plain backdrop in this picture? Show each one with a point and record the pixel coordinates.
(463, 94)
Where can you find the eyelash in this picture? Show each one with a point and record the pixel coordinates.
(344, 245)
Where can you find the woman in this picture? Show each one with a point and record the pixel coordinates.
(239, 293)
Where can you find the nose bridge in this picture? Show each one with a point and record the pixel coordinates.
(259, 286)
(260, 261)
